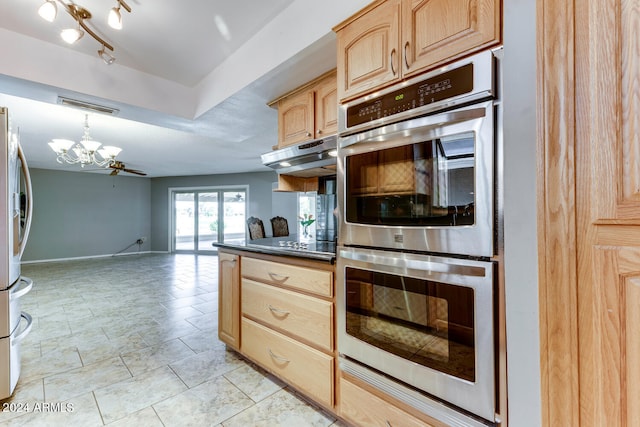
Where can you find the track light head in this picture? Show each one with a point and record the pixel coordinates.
(106, 56)
(115, 18)
(71, 35)
(48, 10)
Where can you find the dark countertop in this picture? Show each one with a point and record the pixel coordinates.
(286, 246)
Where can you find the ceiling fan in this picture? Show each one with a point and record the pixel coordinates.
(118, 166)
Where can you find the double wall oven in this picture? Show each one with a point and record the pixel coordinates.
(418, 195)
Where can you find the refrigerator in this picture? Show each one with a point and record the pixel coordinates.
(15, 213)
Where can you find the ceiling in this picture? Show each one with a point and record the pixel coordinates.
(190, 83)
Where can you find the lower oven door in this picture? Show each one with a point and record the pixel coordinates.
(427, 321)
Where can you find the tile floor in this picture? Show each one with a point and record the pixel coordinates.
(132, 341)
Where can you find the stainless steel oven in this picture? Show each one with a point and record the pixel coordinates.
(419, 242)
(422, 319)
(416, 163)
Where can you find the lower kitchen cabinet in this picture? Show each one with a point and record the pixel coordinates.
(229, 299)
(366, 408)
(309, 370)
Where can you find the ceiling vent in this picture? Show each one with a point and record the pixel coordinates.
(87, 106)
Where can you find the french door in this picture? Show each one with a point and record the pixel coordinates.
(204, 216)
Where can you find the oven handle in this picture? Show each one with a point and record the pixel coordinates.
(416, 126)
(429, 265)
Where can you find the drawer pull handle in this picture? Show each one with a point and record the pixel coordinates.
(278, 311)
(388, 423)
(278, 358)
(278, 277)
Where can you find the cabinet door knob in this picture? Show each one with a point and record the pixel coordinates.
(308, 133)
(406, 58)
(393, 69)
(319, 131)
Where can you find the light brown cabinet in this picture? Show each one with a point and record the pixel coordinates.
(588, 216)
(363, 407)
(229, 299)
(284, 311)
(393, 39)
(309, 112)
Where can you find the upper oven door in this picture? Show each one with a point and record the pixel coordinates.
(425, 184)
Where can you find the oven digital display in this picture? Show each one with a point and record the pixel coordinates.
(443, 86)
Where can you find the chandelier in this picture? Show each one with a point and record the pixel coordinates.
(86, 152)
(49, 10)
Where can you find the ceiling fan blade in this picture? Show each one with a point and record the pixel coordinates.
(137, 172)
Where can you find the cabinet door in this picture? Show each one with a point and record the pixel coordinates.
(229, 299)
(327, 107)
(436, 31)
(396, 170)
(368, 50)
(295, 118)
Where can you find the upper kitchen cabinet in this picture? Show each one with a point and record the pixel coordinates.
(393, 39)
(309, 112)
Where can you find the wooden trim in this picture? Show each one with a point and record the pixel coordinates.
(557, 250)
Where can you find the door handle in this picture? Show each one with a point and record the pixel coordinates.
(393, 70)
(406, 58)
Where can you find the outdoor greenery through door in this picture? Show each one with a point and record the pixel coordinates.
(203, 216)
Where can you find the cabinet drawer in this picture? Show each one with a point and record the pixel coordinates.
(361, 407)
(308, 369)
(306, 317)
(307, 279)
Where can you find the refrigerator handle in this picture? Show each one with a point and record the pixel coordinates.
(26, 330)
(25, 290)
(29, 194)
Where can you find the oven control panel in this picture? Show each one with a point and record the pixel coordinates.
(449, 84)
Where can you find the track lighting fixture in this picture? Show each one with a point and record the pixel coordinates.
(48, 11)
(106, 56)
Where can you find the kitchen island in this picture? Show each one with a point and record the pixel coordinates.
(289, 246)
(276, 307)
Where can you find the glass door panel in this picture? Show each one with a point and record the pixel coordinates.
(208, 222)
(203, 217)
(184, 225)
(234, 209)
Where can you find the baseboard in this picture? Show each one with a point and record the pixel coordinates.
(88, 257)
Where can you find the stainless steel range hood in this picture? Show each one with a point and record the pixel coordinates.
(308, 159)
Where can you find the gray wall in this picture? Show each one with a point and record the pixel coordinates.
(521, 262)
(79, 214)
(259, 196)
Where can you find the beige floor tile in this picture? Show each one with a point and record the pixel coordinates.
(141, 334)
(282, 409)
(207, 404)
(127, 397)
(72, 383)
(150, 358)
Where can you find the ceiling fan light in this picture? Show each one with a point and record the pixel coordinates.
(48, 10)
(115, 18)
(71, 35)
